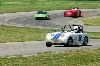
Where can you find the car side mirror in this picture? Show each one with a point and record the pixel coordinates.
(62, 29)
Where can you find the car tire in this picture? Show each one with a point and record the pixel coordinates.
(35, 18)
(65, 16)
(69, 42)
(47, 17)
(80, 14)
(85, 41)
(75, 14)
(48, 44)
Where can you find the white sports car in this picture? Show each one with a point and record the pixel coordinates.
(75, 37)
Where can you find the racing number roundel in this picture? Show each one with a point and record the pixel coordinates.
(80, 38)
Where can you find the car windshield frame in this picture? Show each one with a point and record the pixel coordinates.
(41, 12)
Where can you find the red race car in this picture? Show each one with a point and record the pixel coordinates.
(75, 12)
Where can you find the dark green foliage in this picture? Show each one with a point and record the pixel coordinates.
(0, 2)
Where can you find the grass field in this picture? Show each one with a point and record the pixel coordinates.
(94, 35)
(31, 5)
(20, 34)
(87, 57)
(9, 34)
(92, 21)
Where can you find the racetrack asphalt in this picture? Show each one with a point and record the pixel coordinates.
(25, 19)
(35, 47)
(57, 20)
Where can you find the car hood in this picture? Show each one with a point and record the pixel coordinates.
(71, 10)
(56, 35)
(40, 15)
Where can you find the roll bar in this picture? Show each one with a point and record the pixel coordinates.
(80, 27)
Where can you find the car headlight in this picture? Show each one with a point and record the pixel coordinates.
(52, 34)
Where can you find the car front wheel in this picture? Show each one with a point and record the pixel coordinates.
(35, 18)
(69, 43)
(75, 14)
(48, 44)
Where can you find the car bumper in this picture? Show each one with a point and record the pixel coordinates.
(56, 42)
(40, 18)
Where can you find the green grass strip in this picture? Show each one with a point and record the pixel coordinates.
(21, 34)
(9, 6)
(94, 35)
(92, 21)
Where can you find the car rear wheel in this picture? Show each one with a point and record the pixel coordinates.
(69, 43)
(85, 41)
(75, 14)
(48, 44)
(80, 14)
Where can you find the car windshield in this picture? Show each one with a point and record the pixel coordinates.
(41, 12)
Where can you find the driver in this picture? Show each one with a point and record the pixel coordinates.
(75, 29)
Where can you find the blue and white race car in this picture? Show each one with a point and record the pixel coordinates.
(75, 37)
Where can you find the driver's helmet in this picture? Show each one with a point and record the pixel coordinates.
(75, 8)
(75, 28)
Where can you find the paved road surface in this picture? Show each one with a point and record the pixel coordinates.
(34, 47)
(57, 20)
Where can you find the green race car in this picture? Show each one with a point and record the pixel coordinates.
(41, 15)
